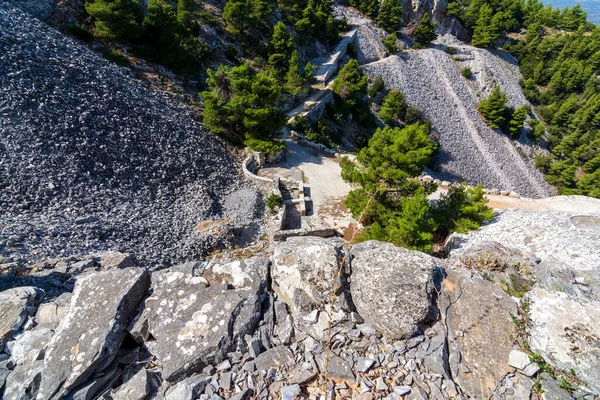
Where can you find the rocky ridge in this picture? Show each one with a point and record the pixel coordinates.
(93, 159)
(502, 318)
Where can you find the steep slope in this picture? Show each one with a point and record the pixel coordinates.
(93, 159)
(470, 150)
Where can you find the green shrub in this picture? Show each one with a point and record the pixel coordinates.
(273, 201)
(451, 50)
(462, 209)
(467, 73)
(493, 109)
(390, 43)
(377, 86)
(425, 31)
(81, 32)
(393, 107)
(265, 146)
(116, 57)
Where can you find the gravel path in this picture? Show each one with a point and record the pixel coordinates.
(92, 159)
(470, 150)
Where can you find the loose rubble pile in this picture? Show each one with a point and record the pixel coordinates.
(499, 319)
(470, 150)
(93, 159)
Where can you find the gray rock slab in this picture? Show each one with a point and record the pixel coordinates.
(275, 357)
(338, 370)
(29, 346)
(301, 375)
(247, 273)
(49, 314)
(136, 388)
(304, 270)
(13, 309)
(23, 381)
(188, 389)
(91, 332)
(565, 331)
(392, 287)
(194, 325)
(480, 330)
(290, 392)
(89, 389)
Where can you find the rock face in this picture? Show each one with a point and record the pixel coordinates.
(88, 337)
(392, 287)
(191, 325)
(565, 331)
(476, 314)
(13, 309)
(304, 271)
(106, 180)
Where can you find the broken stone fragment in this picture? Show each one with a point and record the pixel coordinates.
(13, 309)
(90, 334)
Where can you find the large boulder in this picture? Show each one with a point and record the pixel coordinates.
(189, 325)
(477, 315)
(13, 309)
(89, 335)
(565, 330)
(304, 271)
(392, 287)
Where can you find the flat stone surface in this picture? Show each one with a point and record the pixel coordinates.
(13, 309)
(91, 332)
(565, 331)
(188, 389)
(194, 325)
(392, 287)
(274, 358)
(477, 315)
(304, 271)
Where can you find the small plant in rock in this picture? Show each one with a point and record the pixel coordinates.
(273, 202)
(538, 386)
(566, 385)
(539, 360)
(467, 73)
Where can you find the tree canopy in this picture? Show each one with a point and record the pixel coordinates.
(424, 33)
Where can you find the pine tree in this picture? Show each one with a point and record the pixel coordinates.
(487, 29)
(414, 227)
(116, 19)
(393, 107)
(518, 118)
(493, 109)
(425, 32)
(184, 9)
(293, 79)
(280, 47)
(390, 15)
(238, 15)
(308, 72)
(350, 84)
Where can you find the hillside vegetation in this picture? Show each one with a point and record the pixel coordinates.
(560, 61)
